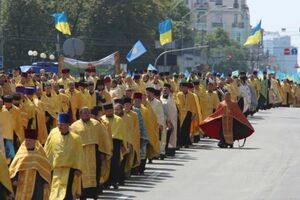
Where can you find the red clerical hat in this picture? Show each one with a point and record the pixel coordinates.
(31, 134)
(137, 95)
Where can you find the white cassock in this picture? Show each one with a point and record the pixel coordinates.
(116, 93)
(161, 120)
(246, 94)
(170, 110)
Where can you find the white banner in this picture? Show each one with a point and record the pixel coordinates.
(108, 60)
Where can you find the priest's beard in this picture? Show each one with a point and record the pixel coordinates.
(110, 116)
(120, 114)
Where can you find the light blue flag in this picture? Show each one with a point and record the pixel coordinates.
(137, 50)
(151, 68)
(271, 71)
(235, 73)
(187, 74)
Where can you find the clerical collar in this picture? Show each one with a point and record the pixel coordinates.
(48, 95)
(110, 117)
(86, 121)
(64, 134)
(31, 149)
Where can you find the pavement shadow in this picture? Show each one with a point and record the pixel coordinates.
(159, 171)
(155, 173)
(257, 118)
(246, 148)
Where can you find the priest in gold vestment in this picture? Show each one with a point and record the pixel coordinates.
(65, 153)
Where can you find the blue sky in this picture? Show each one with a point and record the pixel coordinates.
(277, 14)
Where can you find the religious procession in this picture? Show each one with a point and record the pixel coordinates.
(73, 137)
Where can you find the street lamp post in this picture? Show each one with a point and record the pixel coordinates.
(178, 50)
(32, 54)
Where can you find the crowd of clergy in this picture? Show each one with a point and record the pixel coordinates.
(65, 137)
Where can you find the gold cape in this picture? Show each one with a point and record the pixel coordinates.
(64, 152)
(27, 163)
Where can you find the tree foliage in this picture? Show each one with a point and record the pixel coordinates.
(104, 25)
(224, 54)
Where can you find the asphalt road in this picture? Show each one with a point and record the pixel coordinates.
(267, 168)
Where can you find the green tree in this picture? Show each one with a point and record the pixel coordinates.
(224, 54)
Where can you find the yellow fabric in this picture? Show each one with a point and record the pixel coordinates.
(4, 175)
(91, 99)
(133, 138)
(59, 183)
(213, 102)
(26, 160)
(254, 39)
(233, 90)
(6, 126)
(84, 98)
(64, 82)
(16, 122)
(51, 104)
(26, 182)
(286, 91)
(92, 133)
(165, 38)
(198, 118)
(297, 96)
(152, 130)
(64, 152)
(107, 148)
(106, 96)
(29, 108)
(186, 103)
(76, 102)
(89, 169)
(63, 102)
(117, 127)
(41, 120)
(255, 84)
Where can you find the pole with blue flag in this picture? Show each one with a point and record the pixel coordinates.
(137, 51)
(151, 68)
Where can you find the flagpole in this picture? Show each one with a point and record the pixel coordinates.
(58, 44)
(176, 50)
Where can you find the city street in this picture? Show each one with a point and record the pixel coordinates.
(266, 168)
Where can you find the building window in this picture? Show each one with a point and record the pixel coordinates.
(235, 20)
(238, 38)
(219, 2)
(236, 4)
(201, 17)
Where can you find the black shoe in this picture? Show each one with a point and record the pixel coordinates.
(122, 183)
(116, 186)
(150, 161)
(162, 156)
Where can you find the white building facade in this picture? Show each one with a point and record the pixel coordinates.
(231, 15)
(279, 46)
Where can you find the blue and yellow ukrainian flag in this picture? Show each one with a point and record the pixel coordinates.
(61, 23)
(255, 36)
(165, 32)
